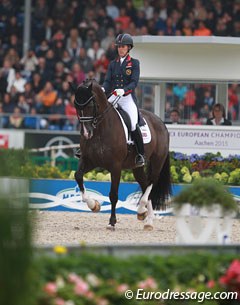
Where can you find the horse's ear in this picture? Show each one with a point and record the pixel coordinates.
(73, 87)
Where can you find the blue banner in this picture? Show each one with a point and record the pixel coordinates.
(64, 195)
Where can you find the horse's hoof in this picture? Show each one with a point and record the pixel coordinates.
(97, 207)
(142, 216)
(148, 227)
(110, 227)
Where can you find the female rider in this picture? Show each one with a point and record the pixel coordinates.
(121, 80)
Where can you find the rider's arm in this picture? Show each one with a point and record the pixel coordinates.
(107, 84)
(134, 77)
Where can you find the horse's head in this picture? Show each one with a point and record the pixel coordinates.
(86, 106)
(91, 103)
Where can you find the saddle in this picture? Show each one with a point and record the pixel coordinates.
(126, 118)
(127, 125)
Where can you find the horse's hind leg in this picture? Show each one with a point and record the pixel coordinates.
(148, 226)
(141, 178)
(84, 167)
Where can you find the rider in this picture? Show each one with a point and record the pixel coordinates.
(121, 79)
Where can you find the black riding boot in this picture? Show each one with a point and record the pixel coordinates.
(138, 140)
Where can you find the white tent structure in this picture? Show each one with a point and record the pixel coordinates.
(188, 59)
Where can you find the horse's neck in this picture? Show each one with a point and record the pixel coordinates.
(109, 122)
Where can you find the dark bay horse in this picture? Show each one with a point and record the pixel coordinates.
(103, 144)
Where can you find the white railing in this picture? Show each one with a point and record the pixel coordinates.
(53, 150)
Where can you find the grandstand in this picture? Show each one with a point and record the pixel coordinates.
(74, 40)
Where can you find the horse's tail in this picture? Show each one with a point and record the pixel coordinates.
(161, 189)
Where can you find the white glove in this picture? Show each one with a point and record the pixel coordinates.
(119, 92)
(103, 89)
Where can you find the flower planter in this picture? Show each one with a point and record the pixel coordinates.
(204, 225)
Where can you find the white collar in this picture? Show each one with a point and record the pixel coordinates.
(122, 59)
(214, 122)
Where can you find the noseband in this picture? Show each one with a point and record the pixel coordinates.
(86, 119)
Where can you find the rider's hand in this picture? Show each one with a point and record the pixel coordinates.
(119, 92)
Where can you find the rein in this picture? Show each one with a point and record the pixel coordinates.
(96, 118)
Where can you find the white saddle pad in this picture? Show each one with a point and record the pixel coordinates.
(146, 134)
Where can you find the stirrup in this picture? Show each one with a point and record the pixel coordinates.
(78, 153)
(139, 160)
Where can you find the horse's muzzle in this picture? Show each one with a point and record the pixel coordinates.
(87, 132)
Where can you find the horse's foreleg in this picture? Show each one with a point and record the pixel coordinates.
(83, 168)
(113, 195)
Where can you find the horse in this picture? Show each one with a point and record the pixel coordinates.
(103, 144)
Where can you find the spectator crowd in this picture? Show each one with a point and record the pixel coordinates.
(73, 40)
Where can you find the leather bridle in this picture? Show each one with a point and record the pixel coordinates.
(96, 118)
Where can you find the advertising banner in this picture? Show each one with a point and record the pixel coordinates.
(64, 195)
(204, 139)
(47, 139)
(4, 141)
(11, 138)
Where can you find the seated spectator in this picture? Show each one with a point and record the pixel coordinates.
(110, 37)
(66, 59)
(46, 98)
(124, 19)
(70, 112)
(85, 61)
(101, 66)
(202, 30)
(77, 73)
(22, 104)
(179, 91)
(233, 101)
(187, 27)
(174, 117)
(31, 121)
(65, 92)
(204, 113)
(57, 112)
(42, 49)
(9, 73)
(148, 104)
(74, 39)
(37, 83)
(218, 116)
(13, 58)
(3, 84)
(43, 70)
(15, 43)
(29, 94)
(112, 10)
(19, 82)
(194, 119)
(8, 104)
(3, 118)
(29, 63)
(208, 98)
(16, 118)
(96, 51)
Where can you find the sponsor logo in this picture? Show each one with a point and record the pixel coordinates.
(4, 139)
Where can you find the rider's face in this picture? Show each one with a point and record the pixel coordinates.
(122, 50)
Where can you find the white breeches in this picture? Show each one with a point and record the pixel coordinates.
(127, 104)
